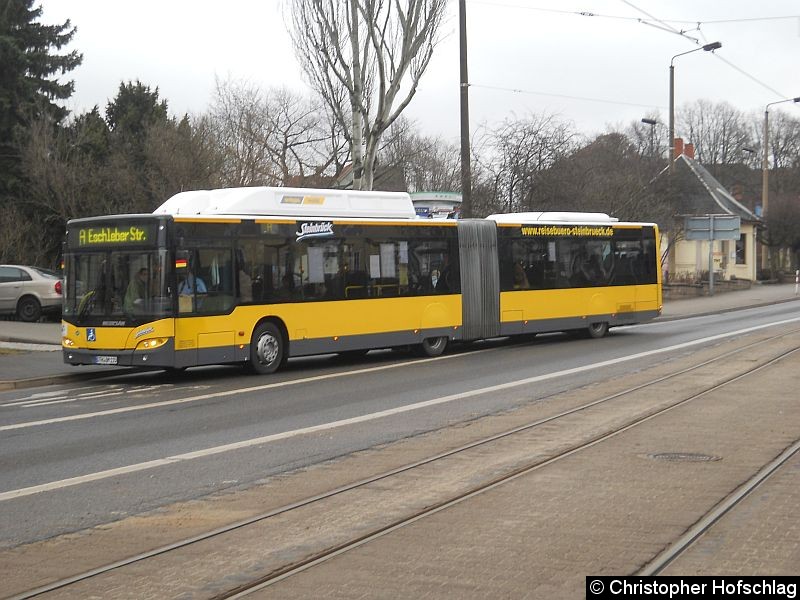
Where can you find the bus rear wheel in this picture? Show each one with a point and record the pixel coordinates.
(267, 349)
(597, 330)
(434, 346)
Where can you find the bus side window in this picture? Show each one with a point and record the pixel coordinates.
(212, 268)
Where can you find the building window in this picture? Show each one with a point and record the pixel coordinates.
(741, 250)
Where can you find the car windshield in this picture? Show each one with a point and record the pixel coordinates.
(117, 285)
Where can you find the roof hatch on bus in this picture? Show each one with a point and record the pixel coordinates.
(290, 202)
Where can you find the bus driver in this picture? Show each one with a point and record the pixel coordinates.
(192, 284)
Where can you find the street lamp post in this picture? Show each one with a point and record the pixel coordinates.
(708, 48)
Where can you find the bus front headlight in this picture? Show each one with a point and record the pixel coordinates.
(151, 343)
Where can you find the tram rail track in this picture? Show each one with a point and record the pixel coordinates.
(657, 565)
(723, 508)
(330, 552)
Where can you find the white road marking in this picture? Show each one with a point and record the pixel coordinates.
(78, 399)
(35, 401)
(257, 388)
(43, 395)
(64, 483)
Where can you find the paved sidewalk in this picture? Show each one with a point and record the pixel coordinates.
(757, 295)
(30, 353)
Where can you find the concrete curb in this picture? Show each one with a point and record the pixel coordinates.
(29, 346)
(719, 311)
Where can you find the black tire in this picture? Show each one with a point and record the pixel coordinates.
(433, 347)
(29, 309)
(267, 349)
(597, 330)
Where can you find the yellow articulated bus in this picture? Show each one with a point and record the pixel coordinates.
(258, 275)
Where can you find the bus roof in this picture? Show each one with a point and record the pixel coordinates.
(289, 202)
(565, 217)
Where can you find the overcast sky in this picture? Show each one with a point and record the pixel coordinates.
(524, 56)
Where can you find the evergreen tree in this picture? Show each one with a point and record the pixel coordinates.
(135, 108)
(29, 86)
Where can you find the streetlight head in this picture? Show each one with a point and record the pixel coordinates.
(712, 46)
(781, 102)
(649, 121)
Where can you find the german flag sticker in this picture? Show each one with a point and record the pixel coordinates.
(181, 263)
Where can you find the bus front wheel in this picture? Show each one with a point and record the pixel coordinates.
(434, 346)
(267, 349)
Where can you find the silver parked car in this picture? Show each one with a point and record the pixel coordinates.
(29, 292)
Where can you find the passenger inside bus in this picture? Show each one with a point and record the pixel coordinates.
(287, 290)
(444, 282)
(520, 278)
(593, 270)
(136, 292)
(245, 281)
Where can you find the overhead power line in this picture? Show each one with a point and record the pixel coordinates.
(586, 13)
(726, 61)
(651, 21)
(566, 96)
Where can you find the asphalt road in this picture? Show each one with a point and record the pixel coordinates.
(75, 456)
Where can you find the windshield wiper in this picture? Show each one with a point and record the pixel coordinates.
(86, 305)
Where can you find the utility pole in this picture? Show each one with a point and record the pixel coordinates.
(466, 175)
(671, 157)
(765, 167)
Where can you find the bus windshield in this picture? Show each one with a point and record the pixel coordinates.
(117, 285)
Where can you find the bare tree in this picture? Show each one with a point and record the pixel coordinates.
(273, 137)
(180, 158)
(424, 163)
(784, 151)
(365, 58)
(301, 143)
(240, 131)
(649, 138)
(718, 131)
(65, 180)
(515, 154)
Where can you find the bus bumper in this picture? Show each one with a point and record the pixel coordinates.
(163, 356)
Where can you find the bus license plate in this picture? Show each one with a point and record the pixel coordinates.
(105, 360)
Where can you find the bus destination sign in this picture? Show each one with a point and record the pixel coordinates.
(111, 235)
